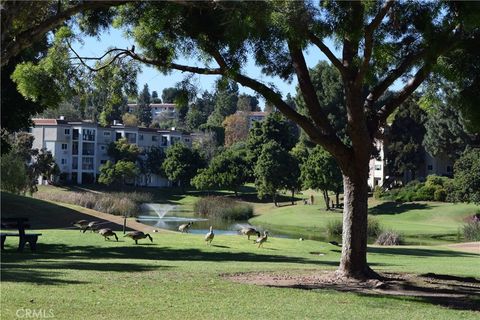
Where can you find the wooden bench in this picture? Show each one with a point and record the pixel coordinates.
(19, 223)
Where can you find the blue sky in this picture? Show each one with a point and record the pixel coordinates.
(95, 47)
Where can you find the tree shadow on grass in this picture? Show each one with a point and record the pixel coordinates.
(391, 208)
(41, 273)
(420, 252)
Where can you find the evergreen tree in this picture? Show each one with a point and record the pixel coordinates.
(404, 151)
(143, 110)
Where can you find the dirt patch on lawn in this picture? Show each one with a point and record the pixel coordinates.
(448, 291)
(473, 247)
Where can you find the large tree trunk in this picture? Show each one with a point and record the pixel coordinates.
(353, 262)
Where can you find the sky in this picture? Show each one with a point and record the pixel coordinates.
(95, 47)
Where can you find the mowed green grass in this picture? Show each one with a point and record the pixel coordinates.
(420, 223)
(82, 276)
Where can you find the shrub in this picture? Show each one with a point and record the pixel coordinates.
(116, 203)
(471, 231)
(377, 192)
(425, 193)
(222, 207)
(440, 195)
(335, 227)
(389, 238)
(374, 229)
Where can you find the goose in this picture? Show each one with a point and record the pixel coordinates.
(137, 235)
(185, 227)
(209, 236)
(81, 224)
(106, 232)
(249, 232)
(92, 225)
(261, 240)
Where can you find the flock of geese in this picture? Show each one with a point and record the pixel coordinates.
(93, 226)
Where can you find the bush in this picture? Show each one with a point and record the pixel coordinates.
(222, 207)
(116, 203)
(374, 229)
(389, 238)
(471, 231)
(425, 193)
(335, 227)
(440, 195)
(377, 192)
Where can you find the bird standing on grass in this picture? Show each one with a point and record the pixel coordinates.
(106, 233)
(81, 224)
(209, 236)
(137, 235)
(91, 225)
(249, 232)
(261, 240)
(185, 227)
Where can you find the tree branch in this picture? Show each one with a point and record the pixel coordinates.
(326, 51)
(392, 76)
(327, 139)
(368, 46)
(403, 94)
(308, 91)
(28, 37)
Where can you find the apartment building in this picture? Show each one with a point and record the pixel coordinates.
(80, 148)
(158, 110)
(440, 165)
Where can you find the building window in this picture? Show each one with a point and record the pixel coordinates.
(67, 132)
(87, 163)
(429, 167)
(106, 133)
(75, 148)
(64, 146)
(131, 137)
(64, 161)
(88, 149)
(187, 140)
(88, 134)
(449, 169)
(164, 141)
(74, 163)
(102, 148)
(75, 134)
(378, 167)
(154, 138)
(140, 137)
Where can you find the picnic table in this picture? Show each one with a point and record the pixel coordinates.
(19, 224)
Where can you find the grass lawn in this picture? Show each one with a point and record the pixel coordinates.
(420, 223)
(82, 276)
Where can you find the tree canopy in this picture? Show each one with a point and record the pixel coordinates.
(380, 44)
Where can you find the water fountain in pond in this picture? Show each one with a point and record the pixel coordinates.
(167, 216)
(160, 215)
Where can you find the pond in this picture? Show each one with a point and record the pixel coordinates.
(170, 217)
